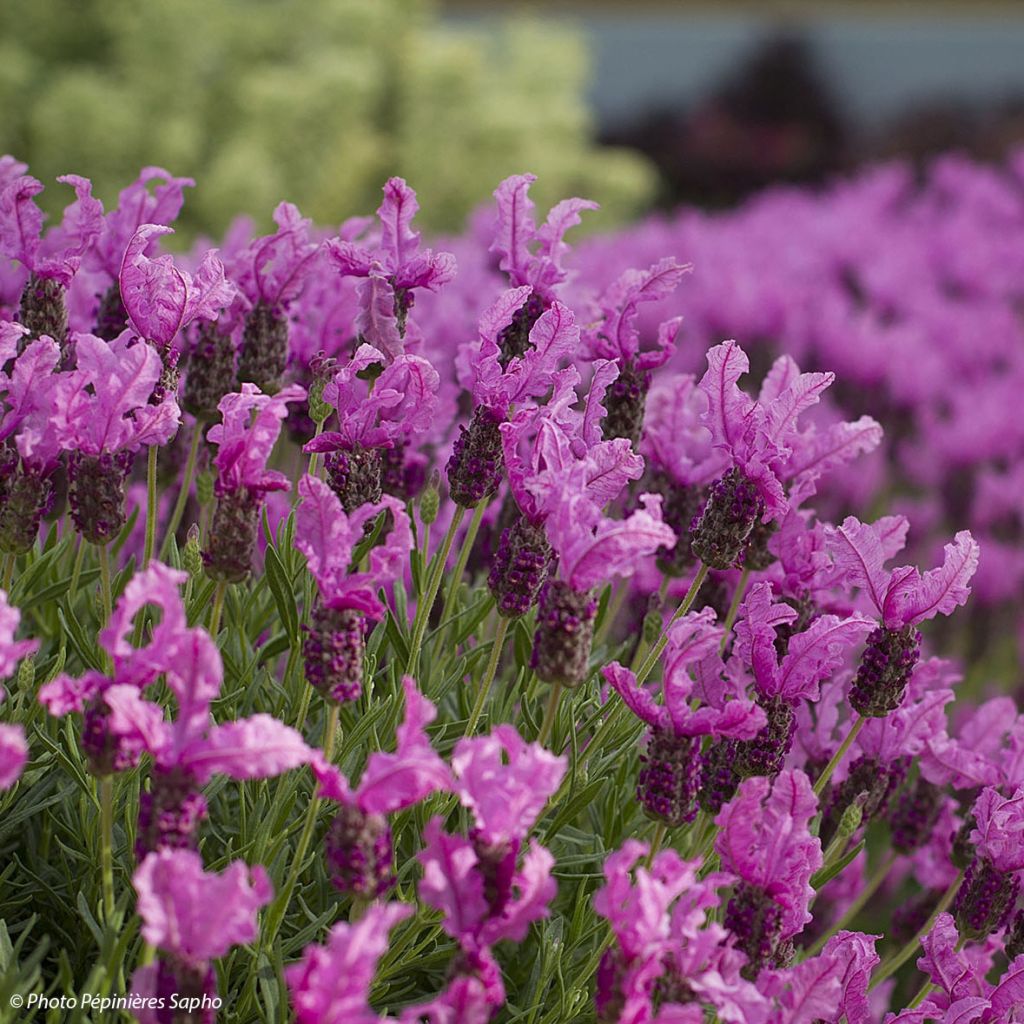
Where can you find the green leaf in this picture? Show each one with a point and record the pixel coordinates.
(283, 593)
(829, 871)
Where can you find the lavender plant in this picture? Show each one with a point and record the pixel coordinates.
(472, 646)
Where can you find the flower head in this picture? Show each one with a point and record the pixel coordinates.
(328, 537)
(527, 254)
(249, 428)
(160, 297)
(58, 254)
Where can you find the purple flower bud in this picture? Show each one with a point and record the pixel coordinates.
(359, 852)
(756, 922)
(681, 504)
(232, 540)
(111, 316)
(757, 556)
(104, 754)
(514, 340)
(718, 778)
(985, 899)
(624, 403)
(43, 309)
(1013, 943)
(170, 813)
(877, 781)
(96, 493)
(914, 817)
(962, 852)
(766, 753)
(355, 476)
(211, 371)
(400, 476)
(333, 652)
(565, 632)
(477, 461)
(179, 985)
(519, 568)
(264, 353)
(720, 535)
(885, 667)
(26, 495)
(669, 777)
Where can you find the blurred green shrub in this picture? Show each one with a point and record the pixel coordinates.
(316, 101)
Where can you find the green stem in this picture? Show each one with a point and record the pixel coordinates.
(685, 605)
(550, 713)
(9, 572)
(314, 457)
(656, 841)
(734, 607)
(893, 963)
(870, 888)
(76, 571)
(105, 584)
(150, 543)
(426, 600)
(822, 780)
(488, 679)
(218, 608)
(611, 613)
(106, 787)
(276, 915)
(460, 565)
(185, 490)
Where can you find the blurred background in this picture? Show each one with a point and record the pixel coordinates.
(635, 104)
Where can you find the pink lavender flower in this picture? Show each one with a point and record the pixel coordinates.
(812, 655)
(359, 840)
(671, 762)
(531, 256)
(245, 437)
(991, 884)
(13, 746)
(155, 197)
(483, 889)
(539, 444)
(617, 338)
(162, 299)
(270, 274)
(758, 437)
(104, 413)
(331, 984)
(765, 842)
(52, 259)
(29, 449)
(476, 464)
(961, 990)
(192, 917)
(334, 644)
(385, 413)
(591, 549)
(903, 598)
(669, 956)
(681, 458)
(392, 267)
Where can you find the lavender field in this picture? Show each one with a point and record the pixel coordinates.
(515, 625)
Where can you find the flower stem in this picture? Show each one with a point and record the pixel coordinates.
(185, 490)
(106, 787)
(276, 915)
(426, 600)
(218, 608)
(460, 565)
(734, 607)
(9, 572)
(894, 962)
(685, 605)
(76, 571)
(822, 780)
(870, 888)
(150, 542)
(105, 584)
(656, 841)
(549, 714)
(488, 679)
